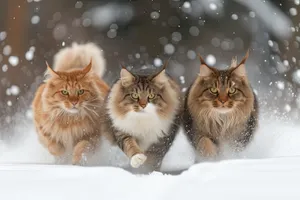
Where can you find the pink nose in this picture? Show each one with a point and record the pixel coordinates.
(74, 102)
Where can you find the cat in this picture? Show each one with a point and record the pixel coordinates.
(67, 105)
(143, 115)
(220, 109)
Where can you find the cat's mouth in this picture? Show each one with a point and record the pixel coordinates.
(149, 108)
(73, 110)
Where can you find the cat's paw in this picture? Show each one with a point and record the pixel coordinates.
(79, 150)
(56, 149)
(137, 160)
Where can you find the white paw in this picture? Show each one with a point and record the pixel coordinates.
(137, 160)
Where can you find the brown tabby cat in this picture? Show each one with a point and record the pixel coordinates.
(67, 106)
(220, 108)
(143, 116)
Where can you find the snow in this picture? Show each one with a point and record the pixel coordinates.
(234, 16)
(211, 59)
(112, 33)
(13, 60)
(6, 50)
(3, 35)
(35, 19)
(78, 4)
(169, 49)
(213, 6)
(154, 15)
(293, 11)
(157, 62)
(191, 54)
(253, 179)
(194, 31)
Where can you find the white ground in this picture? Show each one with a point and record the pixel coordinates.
(268, 169)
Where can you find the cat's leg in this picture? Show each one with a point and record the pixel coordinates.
(54, 147)
(130, 147)
(242, 141)
(206, 147)
(82, 146)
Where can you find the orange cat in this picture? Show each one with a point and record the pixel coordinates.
(67, 106)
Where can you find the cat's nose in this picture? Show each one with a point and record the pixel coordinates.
(74, 103)
(143, 105)
(222, 100)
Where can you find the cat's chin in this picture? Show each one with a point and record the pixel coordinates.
(223, 110)
(72, 111)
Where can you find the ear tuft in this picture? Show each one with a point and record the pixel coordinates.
(202, 61)
(88, 68)
(50, 71)
(240, 69)
(126, 77)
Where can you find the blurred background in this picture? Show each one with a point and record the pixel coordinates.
(146, 33)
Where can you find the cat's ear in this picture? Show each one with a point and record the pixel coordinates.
(50, 71)
(88, 68)
(126, 77)
(240, 69)
(161, 77)
(205, 70)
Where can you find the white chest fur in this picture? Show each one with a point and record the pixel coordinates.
(146, 126)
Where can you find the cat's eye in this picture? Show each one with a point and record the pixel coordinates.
(151, 96)
(80, 92)
(213, 90)
(134, 95)
(231, 90)
(64, 92)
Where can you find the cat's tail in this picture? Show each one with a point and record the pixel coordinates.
(79, 56)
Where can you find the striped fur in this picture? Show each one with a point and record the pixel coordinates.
(143, 128)
(214, 117)
(70, 120)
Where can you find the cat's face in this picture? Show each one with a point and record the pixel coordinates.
(222, 90)
(144, 94)
(72, 92)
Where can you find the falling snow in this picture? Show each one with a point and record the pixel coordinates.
(211, 60)
(169, 49)
(13, 60)
(213, 6)
(194, 31)
(7, 50)
(78, 4)
(3, 35)
(4, 68)
(191, 54)
(234, 16)
(293, 11)
(35, 19)
(157, 62)
(154, 15)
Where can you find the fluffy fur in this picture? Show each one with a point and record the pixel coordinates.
(67, 108)
(143, 117)
(79, 55)
(220, 108)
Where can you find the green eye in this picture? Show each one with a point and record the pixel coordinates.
(213, 90)
(231, 90)
(151, 96)
(80, 92)
(134, 95)
(65, 92)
